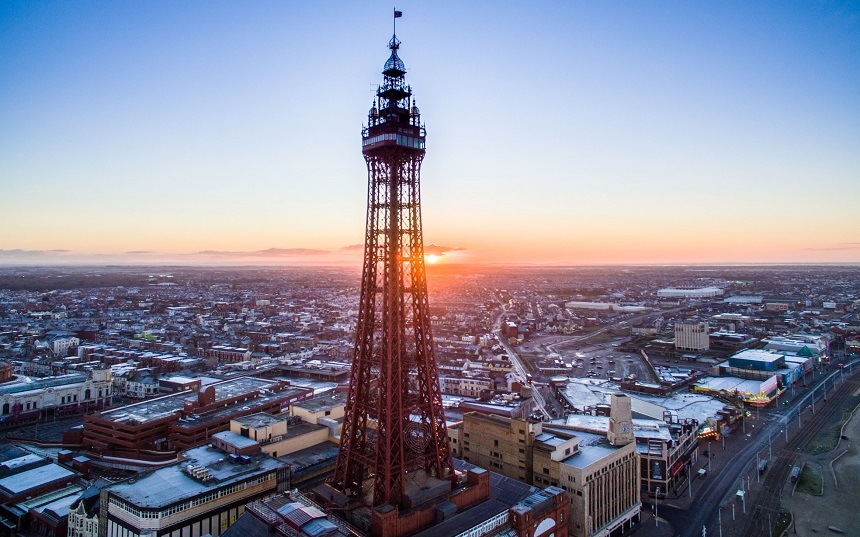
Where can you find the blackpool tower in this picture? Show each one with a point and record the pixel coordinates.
(394, 429)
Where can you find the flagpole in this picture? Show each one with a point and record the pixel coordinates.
(395, 21)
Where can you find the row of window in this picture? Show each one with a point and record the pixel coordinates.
(34, 405)
(399, 139)
(127, 507)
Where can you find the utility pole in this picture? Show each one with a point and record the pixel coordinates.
(690, 481)
(656, 502)
(757, 473)
(709, 457)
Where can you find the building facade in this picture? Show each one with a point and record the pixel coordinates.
(203, 495)
(691, 336)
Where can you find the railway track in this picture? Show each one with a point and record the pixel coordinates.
(767, 500)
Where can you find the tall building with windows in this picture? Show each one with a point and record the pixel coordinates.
(600, 473)
(691, 336)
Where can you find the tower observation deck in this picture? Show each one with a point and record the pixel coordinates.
(394, 429)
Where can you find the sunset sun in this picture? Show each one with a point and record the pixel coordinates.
(432, 258)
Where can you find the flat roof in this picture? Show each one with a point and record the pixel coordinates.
(731, 384)
(323, 401)
(12, 464)
(258, 420)
(642, 428)
(235, 439)
(29, 479)
(167, 405)
(592, 448)
(172, 484)
(757, 355)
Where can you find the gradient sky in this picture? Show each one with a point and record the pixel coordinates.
(558, 132)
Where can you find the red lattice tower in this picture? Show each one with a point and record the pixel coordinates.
(394, 420)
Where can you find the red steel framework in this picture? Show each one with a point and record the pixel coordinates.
(394, 422)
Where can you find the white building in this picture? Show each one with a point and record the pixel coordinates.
(75, 390)
(688, 292)
(692, 336)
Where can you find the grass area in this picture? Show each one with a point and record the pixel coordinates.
(783, 521)
(810, 482)
(827, 439)
(603, 337)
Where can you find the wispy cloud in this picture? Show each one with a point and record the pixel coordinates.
(270, 252)
(138, 252)
(842, 246)
(437, 249)
(17, 252)
(352, 247)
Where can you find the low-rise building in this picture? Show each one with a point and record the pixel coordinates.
(204, 494)
(186, 419)
(26, 398)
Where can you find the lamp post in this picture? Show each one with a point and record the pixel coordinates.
(720, 519)
(690, 481)
(656, 502)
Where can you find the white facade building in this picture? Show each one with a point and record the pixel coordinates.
(692, 336)
(684, 292)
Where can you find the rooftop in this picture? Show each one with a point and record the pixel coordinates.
(161, 407)
(322, 402)
(258, 420)
(30, 479)
(758, 355)
(24, 384)
(172, 484)
(592, 448)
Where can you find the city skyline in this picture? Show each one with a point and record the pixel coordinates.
(564, 134)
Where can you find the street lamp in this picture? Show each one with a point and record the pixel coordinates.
(656, 501)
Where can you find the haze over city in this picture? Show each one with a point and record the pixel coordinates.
(559, 133)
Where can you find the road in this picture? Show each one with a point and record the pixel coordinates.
(519, 368)
(721, 488)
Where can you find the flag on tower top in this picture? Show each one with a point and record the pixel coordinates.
(397, 14)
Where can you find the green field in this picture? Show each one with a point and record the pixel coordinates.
(810, 482)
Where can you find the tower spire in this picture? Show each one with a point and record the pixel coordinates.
(394, 422)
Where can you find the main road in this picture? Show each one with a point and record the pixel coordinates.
(719, 489)
(519, 368)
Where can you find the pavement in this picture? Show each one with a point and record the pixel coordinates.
(648, 528)
(676, 509)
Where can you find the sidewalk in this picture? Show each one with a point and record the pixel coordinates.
(681, 500)
(647, 527)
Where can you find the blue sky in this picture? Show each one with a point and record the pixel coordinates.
(561, 132)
